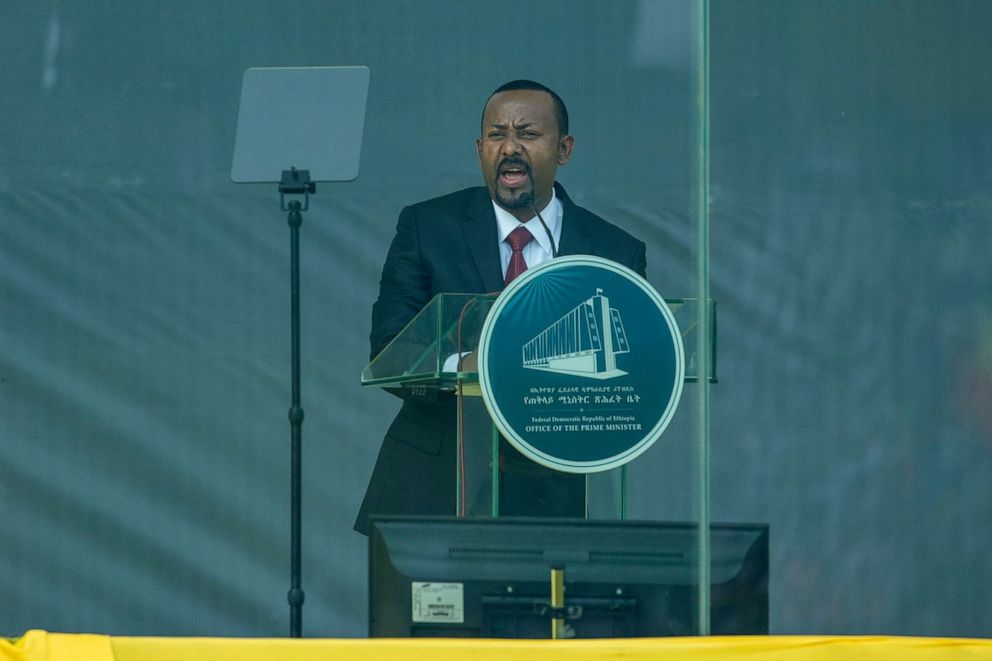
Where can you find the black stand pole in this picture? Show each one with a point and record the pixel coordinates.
(295, 182)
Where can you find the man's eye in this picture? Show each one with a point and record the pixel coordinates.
(529, 134)
(495, 135)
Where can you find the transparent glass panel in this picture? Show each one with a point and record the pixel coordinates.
(658, 192)
(606, 494)
(478, 459)
(425, 353)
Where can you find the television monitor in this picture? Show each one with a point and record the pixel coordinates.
(490, 577)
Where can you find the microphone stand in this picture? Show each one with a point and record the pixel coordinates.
(295, 182)
(528, 199)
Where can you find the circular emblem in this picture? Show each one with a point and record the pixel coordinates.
(581, 364)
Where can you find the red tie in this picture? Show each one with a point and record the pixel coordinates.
(517, 239)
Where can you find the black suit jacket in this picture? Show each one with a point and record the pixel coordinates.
(451, 244)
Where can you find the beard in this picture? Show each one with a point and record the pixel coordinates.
(518, 198)
(514, 198)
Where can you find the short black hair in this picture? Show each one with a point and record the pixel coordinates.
(561, 113)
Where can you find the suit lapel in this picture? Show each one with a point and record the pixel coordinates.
(574, 228)
(479, 228)
(482, 237)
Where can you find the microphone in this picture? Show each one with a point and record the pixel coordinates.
(528, 199)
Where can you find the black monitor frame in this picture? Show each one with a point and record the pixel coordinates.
(622, 578)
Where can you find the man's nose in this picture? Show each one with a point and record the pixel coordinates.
(510, 145)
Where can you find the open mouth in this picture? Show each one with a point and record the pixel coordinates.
(513, 173)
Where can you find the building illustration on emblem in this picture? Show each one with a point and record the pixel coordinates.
(583, 342)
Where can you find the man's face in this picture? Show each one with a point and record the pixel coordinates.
(520, 149)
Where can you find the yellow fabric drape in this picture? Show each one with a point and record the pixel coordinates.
(42, 646)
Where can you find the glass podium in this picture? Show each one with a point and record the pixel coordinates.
(432, 359)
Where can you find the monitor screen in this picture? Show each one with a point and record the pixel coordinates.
(490, 578)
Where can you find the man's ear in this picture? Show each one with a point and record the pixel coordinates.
(565, 146)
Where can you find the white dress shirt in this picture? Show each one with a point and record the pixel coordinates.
(538, 250)
(535, 252)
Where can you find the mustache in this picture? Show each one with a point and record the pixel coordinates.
(513, 160)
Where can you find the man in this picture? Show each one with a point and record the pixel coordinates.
(462, 243)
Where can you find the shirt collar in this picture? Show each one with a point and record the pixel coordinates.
(552, 213)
